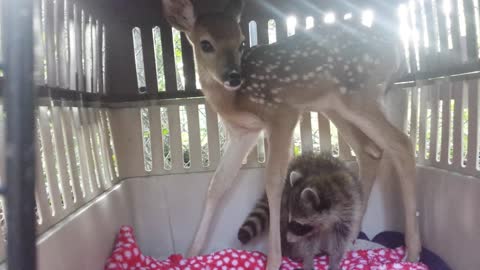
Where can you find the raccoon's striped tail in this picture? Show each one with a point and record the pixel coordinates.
(256, 222)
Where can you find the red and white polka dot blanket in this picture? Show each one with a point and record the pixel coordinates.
(127, 256)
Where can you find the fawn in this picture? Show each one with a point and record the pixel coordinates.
(341, 70)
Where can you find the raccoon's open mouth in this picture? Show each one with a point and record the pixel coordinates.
(298, 228)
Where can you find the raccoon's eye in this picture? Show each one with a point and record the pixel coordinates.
(299, 229)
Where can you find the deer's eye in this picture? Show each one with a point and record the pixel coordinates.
(207, 46)
(242, 46)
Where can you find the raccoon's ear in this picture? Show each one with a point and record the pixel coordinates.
(294, 177)
(310, 195)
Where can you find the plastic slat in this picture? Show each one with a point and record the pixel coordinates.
(107, 165)
(457, 92)
(188, 64)
(67, 38)
(434, 123)
(102, 174)
(106, 145)
(40, 224)
(168, 58)
(252, 157)
(48, 154)
(194, 136)
(411, 46)
(157, 139)
(149, 62)
(41, 190)
(105, 153)
(60, 153)
(2, 241)
(127, 133)
(70, 149)
(85, 160)
(419, 28)
(111, 145)
(473, 133)
(96, 58)
(97, 148)
(455, 32)
(344, 149)
(176, 151)
(79, 28)
(324, 134)
(262, 31)
(430, 25)
(422, 126)
(281, 28)
(213, 137)
(39, 44)
(442, 27)
(2, 178)
(52, 72)
(445, 96)
(62, 46)
(471, 38)
(88, 52)
(306, 133)
(92, 149)
(413, 115)
(2, 150)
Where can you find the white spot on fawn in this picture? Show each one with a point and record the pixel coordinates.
(366, 58)
(276, 90)
(359, 68)
(343, 90)
(287, 68)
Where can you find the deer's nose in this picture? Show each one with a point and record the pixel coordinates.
(234, 79)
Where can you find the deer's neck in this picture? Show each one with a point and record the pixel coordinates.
(228, 104)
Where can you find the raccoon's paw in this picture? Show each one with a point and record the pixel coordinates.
(244, 236)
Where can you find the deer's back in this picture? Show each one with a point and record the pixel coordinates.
(343, 57)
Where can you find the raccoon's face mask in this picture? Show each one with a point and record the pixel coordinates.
(299, 229)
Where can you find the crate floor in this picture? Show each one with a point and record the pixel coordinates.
(127, 255)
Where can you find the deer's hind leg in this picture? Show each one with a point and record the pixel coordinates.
(367, 116)
(368, 158)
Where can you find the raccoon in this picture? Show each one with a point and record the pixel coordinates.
(320, 211)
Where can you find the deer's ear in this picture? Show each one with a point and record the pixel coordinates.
(180, 14)
(235, 8)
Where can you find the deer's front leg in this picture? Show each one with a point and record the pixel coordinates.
(238, 146)
(280, 141)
